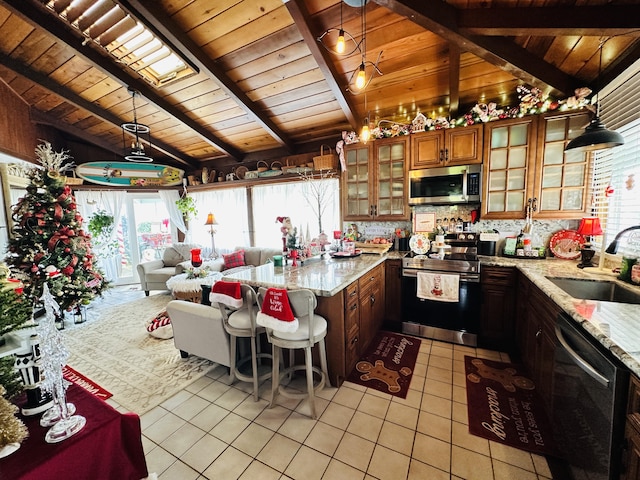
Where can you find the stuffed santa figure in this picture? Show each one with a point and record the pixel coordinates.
(276, 312)
(227, 293)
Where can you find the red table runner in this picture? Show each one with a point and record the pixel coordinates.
(108, 447)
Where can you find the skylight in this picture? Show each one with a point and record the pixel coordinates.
(127, 40)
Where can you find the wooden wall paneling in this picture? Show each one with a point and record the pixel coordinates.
(18, 136)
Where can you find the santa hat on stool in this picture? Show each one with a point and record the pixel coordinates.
(227, 293)
(276, 312)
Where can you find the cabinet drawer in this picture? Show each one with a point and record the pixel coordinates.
(370, 278)
(351, 316)
(633, 405)
(352, 294)
(498, 276)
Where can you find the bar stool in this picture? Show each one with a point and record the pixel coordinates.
(311, 330)
(240, 322)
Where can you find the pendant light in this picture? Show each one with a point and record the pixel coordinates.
(596, 136)
(340, 47)
(136, 152)
(365, 133)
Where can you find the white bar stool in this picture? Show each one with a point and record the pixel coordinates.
(312, 329)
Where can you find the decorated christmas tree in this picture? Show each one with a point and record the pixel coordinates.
(49, 244)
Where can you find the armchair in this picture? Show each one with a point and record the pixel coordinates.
(198, 330)
(154, 274)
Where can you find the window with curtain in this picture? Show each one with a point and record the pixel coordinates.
(308, 203)
(229, 206)
(616, 198)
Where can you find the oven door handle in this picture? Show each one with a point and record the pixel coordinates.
(464, 277)
(581, 362)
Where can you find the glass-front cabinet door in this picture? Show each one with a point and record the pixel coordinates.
(562, 185)
(355, 184)
(508, 174)
(390, 162)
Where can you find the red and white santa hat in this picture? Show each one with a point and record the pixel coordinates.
(276, 312)
(227, 293)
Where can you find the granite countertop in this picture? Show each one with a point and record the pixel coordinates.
(616, 326)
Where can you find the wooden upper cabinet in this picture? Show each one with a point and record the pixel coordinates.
(447, 147)
(374, 186)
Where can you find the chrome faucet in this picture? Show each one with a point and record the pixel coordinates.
(613, 246)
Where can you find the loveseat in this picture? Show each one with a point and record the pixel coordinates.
(154, 274)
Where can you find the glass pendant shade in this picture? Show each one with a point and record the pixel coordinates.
(365, 135)
(360, 79)
(595, 137)
(340, 45)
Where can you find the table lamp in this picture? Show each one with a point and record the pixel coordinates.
(211, 221)
(589, 226)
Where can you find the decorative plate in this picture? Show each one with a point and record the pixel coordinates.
(241, 172)
(566, 244)
(419, 244)
(345, 254)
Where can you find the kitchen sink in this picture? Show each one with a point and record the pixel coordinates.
(603, 290)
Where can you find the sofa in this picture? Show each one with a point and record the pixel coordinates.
(154, 274)
(253, 256)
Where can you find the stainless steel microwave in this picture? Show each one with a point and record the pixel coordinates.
(445, 185)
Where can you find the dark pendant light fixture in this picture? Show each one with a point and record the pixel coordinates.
(136, 152)
(596, 136)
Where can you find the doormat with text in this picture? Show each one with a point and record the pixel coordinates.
(504, 406)
(90, 386)
(388, 364)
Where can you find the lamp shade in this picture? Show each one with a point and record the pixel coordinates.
(590, 226)
(211, 220)
(595, 137)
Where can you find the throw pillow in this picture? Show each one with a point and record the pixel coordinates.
(160, 326)
(235, 259)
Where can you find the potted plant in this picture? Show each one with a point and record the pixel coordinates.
(187, 206)
(101, 226)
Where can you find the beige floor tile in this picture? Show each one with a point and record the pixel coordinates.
(230, 464)
(438, 388)
(209, 417)
(459, 379)
(512, 456)
(432, 451)
(422, 357)
(213, 391)
(437, 405)
(273, 418)
(204, 452)
(338, 470)
(279, 452)
(253, 439)
(304, 407)
(171, 403)
(355, 386)
(459, 394)
(231, 398)
(445, 363)
(434, 426)
(199, 384)
(414, 397)
(324, 438)
(307, 465)
(182, 440)
(422, 471)
(441, 374)
(541, 465)
(461, 437)
(151, 417)
(327, 393)
(337, 415)
(365, 426)
(355, 451)
(230, 427)
(348, 397)
(504, 471)
(190, 407)
(249, 408)
(397, 438)
(257, 470)
(179, 470)
(470, 465)
(158, 460)
(374, 405)
(460, 413)
(297, 427)
(160, 430)
(416, 384)
(387, 464)
(442, 349)
(420, 370)
(402, 415)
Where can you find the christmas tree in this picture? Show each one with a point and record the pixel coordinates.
(49, 244)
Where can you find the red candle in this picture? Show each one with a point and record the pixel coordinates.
(337, 234)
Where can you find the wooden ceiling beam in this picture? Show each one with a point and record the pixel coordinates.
(298, 10)
(441, 19)
(38, 17)
(79, 102)
(595, 21)
(157, 21)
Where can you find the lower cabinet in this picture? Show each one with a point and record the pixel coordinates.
(372, 308)
(393, 293)
(498, 309)
(631, 456)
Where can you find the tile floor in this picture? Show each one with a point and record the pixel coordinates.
(212, 430)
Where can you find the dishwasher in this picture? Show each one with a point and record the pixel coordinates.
(589, 403)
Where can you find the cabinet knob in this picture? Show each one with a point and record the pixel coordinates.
(354, 306)
(446, 154)
(355, 340)
(538, 333)
(373, 299)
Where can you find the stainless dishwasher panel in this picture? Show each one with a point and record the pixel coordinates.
(589, 400)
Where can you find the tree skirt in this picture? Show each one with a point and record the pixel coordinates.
(117, 352)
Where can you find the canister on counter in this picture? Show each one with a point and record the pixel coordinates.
(635, 274)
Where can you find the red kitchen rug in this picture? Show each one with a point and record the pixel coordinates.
(388, 364)
(90, 386)
(504, 406)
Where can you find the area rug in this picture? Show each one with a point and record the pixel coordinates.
(90, 386)
(504, 406)
(116, 351)
(388, 364)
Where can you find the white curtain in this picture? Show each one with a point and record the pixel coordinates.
(299, 201)
(229, 206)
(169, 198)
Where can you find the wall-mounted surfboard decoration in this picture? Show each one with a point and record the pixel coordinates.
(126, 174)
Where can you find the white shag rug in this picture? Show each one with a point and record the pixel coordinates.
(117, 353)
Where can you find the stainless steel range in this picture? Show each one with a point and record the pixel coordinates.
(443, 319)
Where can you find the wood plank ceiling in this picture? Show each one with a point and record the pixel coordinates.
(261, 86)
